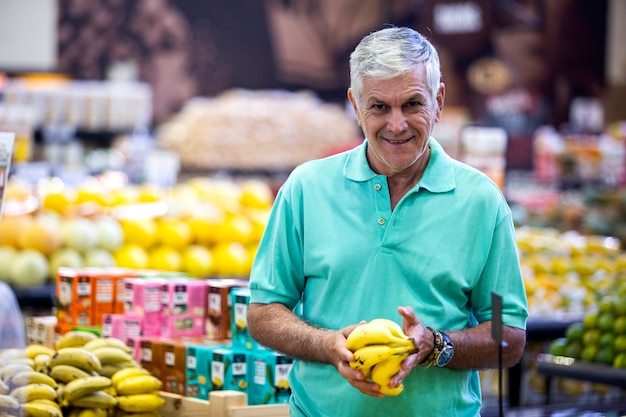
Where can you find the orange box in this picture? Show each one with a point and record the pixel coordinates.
(73, 292)
(105, 292)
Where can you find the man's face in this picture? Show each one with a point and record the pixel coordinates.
(397, 116)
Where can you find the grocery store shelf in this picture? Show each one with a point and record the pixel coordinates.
(564, 367)
(221, 403)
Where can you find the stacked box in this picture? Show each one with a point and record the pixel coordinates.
(41, 330)
(219, 306)
(151, 356)
(73, 293)
(175, 363)
(198, 375)
(184, 307)
(240, 298)
(113, 326)
(231, 370)
(143, 301)
(270, 383)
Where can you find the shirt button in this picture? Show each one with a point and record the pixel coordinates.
(377, 187)
(381, 221)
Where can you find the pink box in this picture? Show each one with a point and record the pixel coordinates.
(113, 326)
(135, 347)
(184, 307)
(142, 298)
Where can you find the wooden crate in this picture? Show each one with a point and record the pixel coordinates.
(220, 404)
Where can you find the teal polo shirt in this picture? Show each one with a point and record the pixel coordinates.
(335, 253)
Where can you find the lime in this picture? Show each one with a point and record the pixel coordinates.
(589, 353)
(620, 306)
(557, 347)
(606, 355)
(607, 339)
(590, 320)
(574, 349)
(606, 304)
(619, 327)
(591, 337)
(574, 331)
(620, 360)
(620, 343)
(606, 321)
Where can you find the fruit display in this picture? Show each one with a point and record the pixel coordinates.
(600, 337)
(83, 376)
(567, 273)
(379, 347)
(203, 227)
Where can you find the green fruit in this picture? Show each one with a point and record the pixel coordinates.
(607, 339)
(558, 346)
(590, 321)
(574, 332)
(606, 304)
(574, 349)
(589, 353)
(619, 327)
(620, 360)
(606, 321)
(606, 355)
(591, 337)
(620, 343)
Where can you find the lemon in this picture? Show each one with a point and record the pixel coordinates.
(58, 201)
(198, 261)
(174, 233)
(142, 232)
(131, 255)
(231, 259)
(256, 194)
(164, 258)
(235, 228)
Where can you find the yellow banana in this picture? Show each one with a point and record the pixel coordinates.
(393, 327)
(34, 349)
(383, 371)
(126, 373)
(9, 404)
(41, 362)
(98, 399)
(76, 356)
(370, 355)
(140, 384)
(61, 393)
(110, 369)
(31, 377)
(153, 413)
(33, 392)
(74, 338)
(83, 386)
(49, 402)
(374, 334)
(35, 409)
(140, 402)
(67, 373)
(12, 369)
(112, 355)
(4, 388)
(107, 341)
(89, 412)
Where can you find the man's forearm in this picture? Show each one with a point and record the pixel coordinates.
(277, 327)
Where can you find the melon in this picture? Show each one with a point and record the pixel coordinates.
(29, 269)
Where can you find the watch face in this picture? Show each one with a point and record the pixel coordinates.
(445, 356)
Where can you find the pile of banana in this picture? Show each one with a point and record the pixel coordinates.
(84, 376)
(379, 347)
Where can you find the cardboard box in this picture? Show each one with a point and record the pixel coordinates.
(113, 326)
(270, 383)
(143, 300)
(239, 321)
(175, 364)
(73, 292)
(231, 370)
(219, 306)
(198, 375)
(41, 330)
(184, 307)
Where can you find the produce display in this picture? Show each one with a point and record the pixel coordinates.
(256, 130)
(84, 375)
(202, 227)
(379, 347)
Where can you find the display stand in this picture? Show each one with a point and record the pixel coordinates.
(220, 404)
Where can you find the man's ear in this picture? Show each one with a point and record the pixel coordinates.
(354, 106)
(441, 96)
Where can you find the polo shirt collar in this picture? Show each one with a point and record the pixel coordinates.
(438, 177)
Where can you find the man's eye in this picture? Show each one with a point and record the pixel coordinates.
(413, 104)
(378, 106)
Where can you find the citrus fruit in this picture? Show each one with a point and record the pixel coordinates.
(620, 360)
(620, 343)
(131, 255)
(142, 232)
(574, 349)
(58, 201)
(164, 258)
(256, 194)
(619, 326)
(198, 261)
(174, 233)
(605, 355)
(40, 236)
(557, 347)
(590, 320)
(574, 332)
(606, 304)
(620, 306)
(231, 259)
(589, 353)
(591, 336)
(606, 321)
(607, 339)
(11, 227)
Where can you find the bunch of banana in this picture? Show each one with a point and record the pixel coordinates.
(379, 347)
(137, 391)
(88, 392)
(75, 338)
(78, 357)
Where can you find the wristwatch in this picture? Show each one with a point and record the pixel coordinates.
(443, 350)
